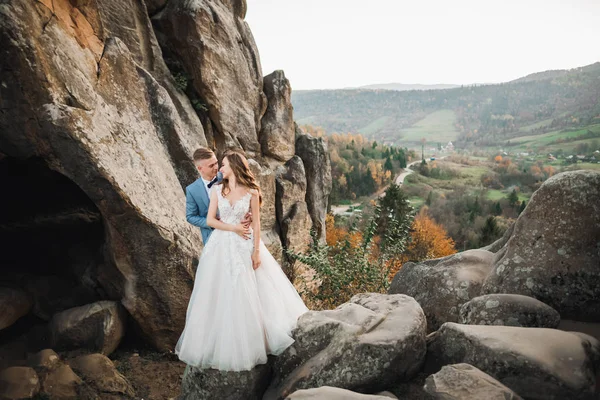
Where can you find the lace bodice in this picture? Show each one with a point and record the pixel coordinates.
(232, 214)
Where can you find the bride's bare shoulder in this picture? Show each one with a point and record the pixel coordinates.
(253, 192)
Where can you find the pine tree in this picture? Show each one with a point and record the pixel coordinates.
(388, 166)
(490, 231)
(497, 209)
(513, 198)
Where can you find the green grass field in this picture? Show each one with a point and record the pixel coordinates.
(437, 127)
(496, 195)
(373, 126)
(543, 141)
(529, 128)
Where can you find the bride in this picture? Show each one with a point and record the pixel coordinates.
(242, 307)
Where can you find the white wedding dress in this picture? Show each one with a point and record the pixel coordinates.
(236, 315)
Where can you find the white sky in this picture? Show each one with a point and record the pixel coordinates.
(344, 43)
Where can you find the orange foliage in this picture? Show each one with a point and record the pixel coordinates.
(428, 240)
(498, 158)
(335, 234)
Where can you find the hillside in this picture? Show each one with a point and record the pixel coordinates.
(408, 86)
(486, 115)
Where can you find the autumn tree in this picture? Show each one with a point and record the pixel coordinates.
(428, 240)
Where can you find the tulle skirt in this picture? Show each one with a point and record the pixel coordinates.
(236, 315)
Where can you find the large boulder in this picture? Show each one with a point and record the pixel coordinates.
(537, 363)
(367, 344)
(208, 384)
(268, 217)
(97, 327)
(332, 393)
(442, 286)
(290, 205)
(217, 50)
(510, 310)
(14, 303)
(61, 383)
(93, 99)
(314, 155)
(44, 360)
(277, 135)
(18, 383)
(100, 373)
(51, 295)
(553, 254)
(465, 382)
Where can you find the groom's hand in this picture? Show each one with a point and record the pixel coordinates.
(247, 220)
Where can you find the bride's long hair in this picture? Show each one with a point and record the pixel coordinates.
(243, 175)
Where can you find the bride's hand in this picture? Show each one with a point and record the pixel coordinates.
(255, 259)
(243, 231)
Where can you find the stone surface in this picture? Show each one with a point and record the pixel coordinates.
(209, 384)
(277, 135)
(18, 383)
(61, 383)
(315, 156)
(290, 206)
(537, 363)
(44, 360)
(217, 50)
(268, 219)
(97, 327)
(332, 393)
(553, 254)
(510, 310)
(367, 344)
(51, 294)
(99, 372)
(14, 303)
(465, 382)
(84, 88)
(442, 286)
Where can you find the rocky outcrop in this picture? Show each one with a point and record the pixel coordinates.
(90, 95)
(291, 209)
(510, 310)
(208, 384)
(277, 134)
(442, 286)
(86, 92)
(332, 393)
(97, 327)
(314, 155)
(268, 217)
(553, 254)
(14, 304)
(465, 382)
(536, 363)
(217, 50)
(365, 344)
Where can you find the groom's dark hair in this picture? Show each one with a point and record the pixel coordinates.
(202, 153)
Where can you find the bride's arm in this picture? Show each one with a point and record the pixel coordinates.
(213, 222)
(255, 208)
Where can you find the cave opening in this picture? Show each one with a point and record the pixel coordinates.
(52, 252)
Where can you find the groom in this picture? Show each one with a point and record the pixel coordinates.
(197, 196)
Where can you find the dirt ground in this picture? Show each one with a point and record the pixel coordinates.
(154, 376)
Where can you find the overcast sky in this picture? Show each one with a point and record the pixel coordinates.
(345, 43)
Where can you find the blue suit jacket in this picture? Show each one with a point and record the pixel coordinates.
(196, 207)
